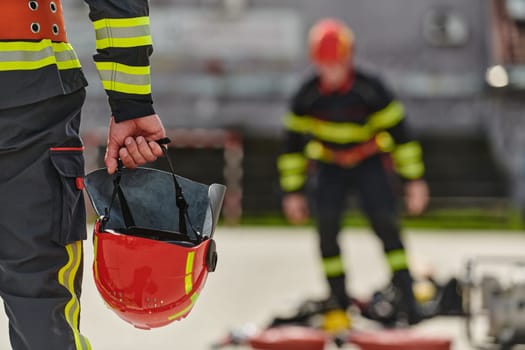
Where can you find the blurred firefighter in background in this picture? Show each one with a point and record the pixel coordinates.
(347, 130)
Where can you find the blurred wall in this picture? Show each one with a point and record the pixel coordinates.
(235, 66)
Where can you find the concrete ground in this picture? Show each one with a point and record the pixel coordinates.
(266, 271)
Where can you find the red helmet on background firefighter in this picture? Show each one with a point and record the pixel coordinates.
(331, 42)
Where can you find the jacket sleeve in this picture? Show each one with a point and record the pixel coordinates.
(389, 116)
(124, 46)
(292, 163)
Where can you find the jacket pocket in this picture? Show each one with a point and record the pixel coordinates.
(69, 214)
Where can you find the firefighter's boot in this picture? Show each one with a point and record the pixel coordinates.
(408, 308)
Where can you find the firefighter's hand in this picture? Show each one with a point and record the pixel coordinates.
(295, 208)
(416, 193)
(133, 141)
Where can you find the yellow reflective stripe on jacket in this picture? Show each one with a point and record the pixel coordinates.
(408, 152)
(385, 141)
(292, 163)
(397, 260)
(388, 117)
(411, 171)
(66, 277)
(292, 182)
(299, 124)
(340, 132)
(317, 151)
(292, 169)
(122, 32)
(24, 55)
(327, 131)
(65, 55)
(333, 266)
(123, 78)
(408, 160)
(126, 88)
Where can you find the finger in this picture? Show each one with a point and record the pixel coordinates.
(133, 151)
(111, 164)
(110, 157)
(145, 149)
(127, 159)
(156, 149)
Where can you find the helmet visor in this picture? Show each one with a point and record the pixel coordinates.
(150, 198)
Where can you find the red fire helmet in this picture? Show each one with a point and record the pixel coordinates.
(331, 41)
(153, 242)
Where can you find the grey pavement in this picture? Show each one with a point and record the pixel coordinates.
(263, 272)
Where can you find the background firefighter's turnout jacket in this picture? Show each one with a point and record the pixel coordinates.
(35, 70)
(344, 127)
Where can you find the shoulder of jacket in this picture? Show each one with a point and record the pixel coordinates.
(306, 93)
(368, 85)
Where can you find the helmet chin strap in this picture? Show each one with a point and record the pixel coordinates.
(179, 196)
(117, 191)
(126, 211)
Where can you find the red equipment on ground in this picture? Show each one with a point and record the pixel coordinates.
(289, 338)
(398, 340)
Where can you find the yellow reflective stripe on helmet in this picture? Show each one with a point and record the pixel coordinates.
(122, 32)
(408, 160)
(66, 277)
(193, 299)
(123, 78)
(333, 266)
(292, 163)
(23, 55)
(397, 260)
(388, 117)
(297, 123)
(292, 182)
(188, 286)
(188, 279)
